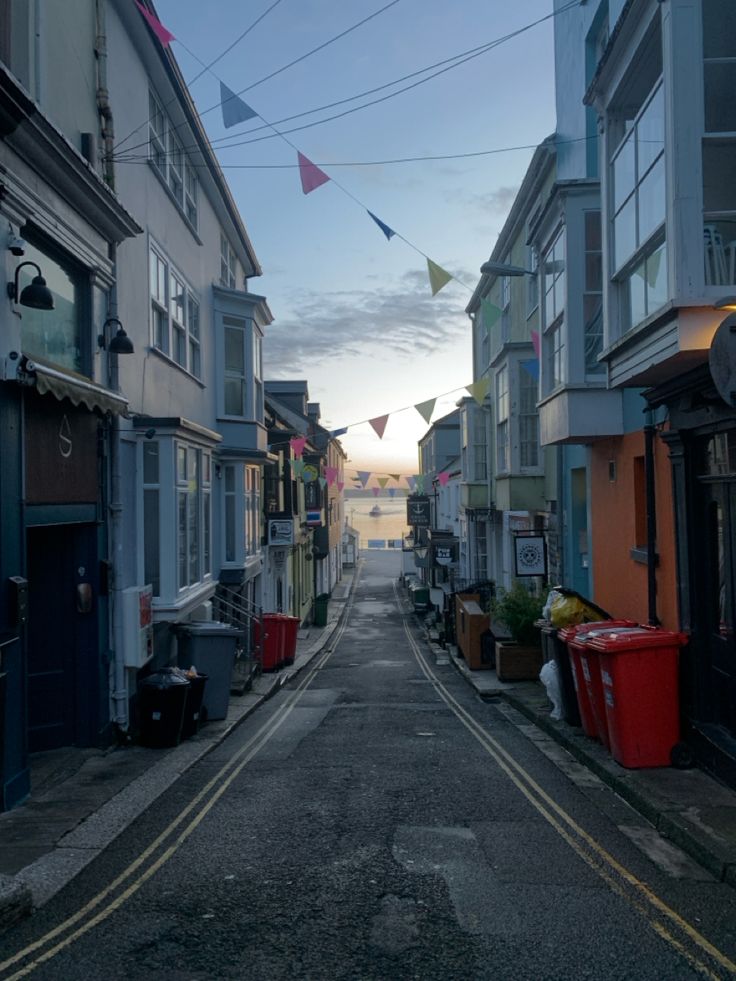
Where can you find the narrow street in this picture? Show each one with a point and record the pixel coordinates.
(377, 820)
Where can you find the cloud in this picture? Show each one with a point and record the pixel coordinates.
(500, 200)
(408, 322)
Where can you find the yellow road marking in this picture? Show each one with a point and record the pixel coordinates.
(529, 787)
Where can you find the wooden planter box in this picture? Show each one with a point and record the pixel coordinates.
(517, 663)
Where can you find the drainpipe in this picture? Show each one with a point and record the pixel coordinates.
(649, 431)
(118, 686)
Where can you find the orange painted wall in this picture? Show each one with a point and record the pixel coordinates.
(620, 582)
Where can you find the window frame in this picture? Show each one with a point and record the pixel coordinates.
(164, 149)
(503, 412)
(175, 338)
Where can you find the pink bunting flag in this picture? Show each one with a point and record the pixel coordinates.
(443, 478)
(376, 491)
(164, 36)
(312, 177)
(331, 475)
(297, 443)
(379, 424)
(535, 343)
(340, 486)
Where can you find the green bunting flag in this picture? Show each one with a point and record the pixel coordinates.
(425, 409)
(489, 313)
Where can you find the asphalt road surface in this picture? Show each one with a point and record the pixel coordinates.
(377, 820)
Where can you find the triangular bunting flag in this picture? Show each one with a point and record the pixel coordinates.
(392, 492)
(411, 481)
(312, 177)
(379, 424)
(535, 342)
(479, 389)
(382, 481)
(234, 110)
(331, 475)
(425, 409)
(339, 432)
(340, 486)
(323, 482)
(438, 277)
(443, 478)
(297, 443)
(376, 491)
(364, 476)
(395, 476)
(297, 467)
(489, 313)
(531, 367)
(388, 232)
(164, 36)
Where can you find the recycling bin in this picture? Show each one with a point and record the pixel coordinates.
(290, 629)
(193, 713)
(320, 610)
(210, 647)
(162, 698)
(272, 642)
(586, 675)
(640, 683)
(555, 649)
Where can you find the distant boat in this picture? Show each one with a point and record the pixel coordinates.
(375, 511)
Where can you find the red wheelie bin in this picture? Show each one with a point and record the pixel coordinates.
(271, 642)
(291, 628)
(640, 683)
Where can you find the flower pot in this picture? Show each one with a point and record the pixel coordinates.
(517, 662)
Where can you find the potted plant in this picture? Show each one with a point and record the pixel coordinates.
(518, 609)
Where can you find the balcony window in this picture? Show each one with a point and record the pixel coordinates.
(480, 464)
(151, 510)
(553, 313)
(719, 142)
(502, 420)
(593, 295)
(528, 416)
(174, 314)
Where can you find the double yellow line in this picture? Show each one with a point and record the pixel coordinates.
(130, 880)
(668, 924)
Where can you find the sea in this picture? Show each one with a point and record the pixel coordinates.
(385, 530)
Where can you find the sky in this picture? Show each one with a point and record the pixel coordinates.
(353, 312)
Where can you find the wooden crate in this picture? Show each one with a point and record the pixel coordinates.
(517, 663)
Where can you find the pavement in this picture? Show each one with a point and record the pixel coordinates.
(83, 799)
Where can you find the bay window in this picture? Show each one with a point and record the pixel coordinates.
(528, 415)
(553, 313)
(502, 420)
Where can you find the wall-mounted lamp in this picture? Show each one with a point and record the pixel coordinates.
(36, 295)
(120, 343)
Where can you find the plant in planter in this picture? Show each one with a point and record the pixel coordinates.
(517, 609)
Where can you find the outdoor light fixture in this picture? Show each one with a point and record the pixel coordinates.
(501, 269)
(120, 343)
(36, 295)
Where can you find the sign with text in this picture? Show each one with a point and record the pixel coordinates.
(280, 531)
(418, 511)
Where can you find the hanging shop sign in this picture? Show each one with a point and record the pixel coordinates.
(530, 553)
(418, 511)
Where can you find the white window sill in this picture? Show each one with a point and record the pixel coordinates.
(180, 608)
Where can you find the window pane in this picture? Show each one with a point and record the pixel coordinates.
(193, 323)
(593, 317)
(182, 538)
(178, 299)
(719, 29)
(637, 295)
(650, 133)
(624, 172)
(150, 462)
(720, 105)
(234, 392)
(624, 229)
(719, 175)
(234, 350)
(180, 346)
(592, 231)
(657, 279)
(206, 534)
(53, 334)
(181, 463)
(652, 203)
(230, 528)
(151, 567)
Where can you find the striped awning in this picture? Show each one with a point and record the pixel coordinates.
(69, 385)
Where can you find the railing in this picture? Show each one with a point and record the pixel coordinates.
(229, 606)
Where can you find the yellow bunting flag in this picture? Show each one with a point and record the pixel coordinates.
(395, 476)
(479, 389)
(438, 277)
(379, 424)
(382, 481)
(425, 409)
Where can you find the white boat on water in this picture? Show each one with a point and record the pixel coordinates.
(375, 511)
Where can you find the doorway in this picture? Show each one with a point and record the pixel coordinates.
(63, 672)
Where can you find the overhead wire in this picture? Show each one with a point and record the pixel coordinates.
(445, 65)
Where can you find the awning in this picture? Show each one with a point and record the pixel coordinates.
(76, 388)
